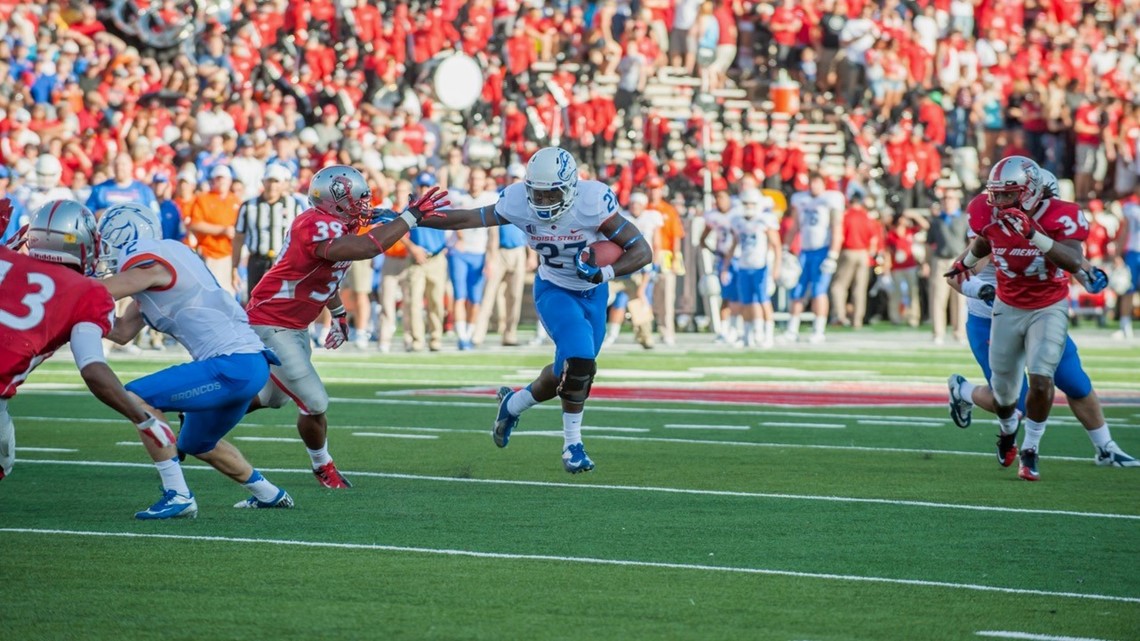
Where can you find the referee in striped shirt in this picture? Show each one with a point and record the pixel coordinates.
(263, 223)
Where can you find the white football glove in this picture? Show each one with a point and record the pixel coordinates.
(157, 432)
(828, 266)
(338, 332)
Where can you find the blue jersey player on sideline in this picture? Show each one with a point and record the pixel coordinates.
(561, 217)
(175, 294)
(1070, 377)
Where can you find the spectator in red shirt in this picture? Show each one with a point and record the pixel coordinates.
(903, 268)
(1091, 162)
(861, 235)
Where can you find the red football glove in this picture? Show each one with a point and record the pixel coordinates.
(1018, 223)
(958, 271)
(427, 204)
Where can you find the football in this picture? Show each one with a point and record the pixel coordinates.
(605, 252)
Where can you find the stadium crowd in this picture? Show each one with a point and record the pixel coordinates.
(218, 115)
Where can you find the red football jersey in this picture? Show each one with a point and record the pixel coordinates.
(293, 291)
(39, 304)
(1026, 279)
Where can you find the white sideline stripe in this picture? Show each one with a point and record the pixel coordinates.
(633, 430)
(382, 434)
(689, 426)
(999, 634)
(51, 450)
(822, 426)
(583, 560)
(638, 488)
(128, 443)
(268, 439)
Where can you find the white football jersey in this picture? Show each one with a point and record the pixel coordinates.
(752, 238)
(558, 244)
(815, 216)
(474, 240)
(718, 221)
(194, 309)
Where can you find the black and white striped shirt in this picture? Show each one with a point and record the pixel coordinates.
(266, 225)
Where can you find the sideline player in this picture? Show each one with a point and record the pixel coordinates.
(755, 231)
(47, 299)
(818, 220)
(322, 243)
(1128, 258)
(175, 294)
(1034, 241)
(717, 222)
(561, 217)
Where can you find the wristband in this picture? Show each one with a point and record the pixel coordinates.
(607, 273)
(1042, 242)
(972, 288)
(969, 260)
(338, 311)
(409, 219)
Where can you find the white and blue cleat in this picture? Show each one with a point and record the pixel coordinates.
(505, 422)
(172, 505)
(281, 501)
(1112, 456)
(575, 459)
(960, 408)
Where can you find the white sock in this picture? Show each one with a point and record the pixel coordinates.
(1033, 433)
(738, 323)
(794, 325)
(521, 401)
(172, 479)
(571, 428)
(612, 331)
(262, 489)
(749, 334)
(320, 457)
(769, 330)
(1126, 324)
(462, 330)
(966, 391)
(758, 330)
(818, 325)
(1008, 425)
(1100, 437)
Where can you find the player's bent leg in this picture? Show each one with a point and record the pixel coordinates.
(226, 458)
(574, 388)
(512, 403)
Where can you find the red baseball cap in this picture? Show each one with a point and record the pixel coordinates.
(655, 182)
(1096, 205)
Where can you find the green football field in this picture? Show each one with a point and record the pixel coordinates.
(809, 494)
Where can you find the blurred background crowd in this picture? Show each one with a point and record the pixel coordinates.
(218, 113)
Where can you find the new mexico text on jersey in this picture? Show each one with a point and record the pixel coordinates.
(1026, 279)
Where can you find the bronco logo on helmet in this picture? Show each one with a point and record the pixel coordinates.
(340, 187)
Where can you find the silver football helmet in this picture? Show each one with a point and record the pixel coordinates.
(1015, 182)
(343, 191)
(63, 231)
(120, 226)
(551, 183)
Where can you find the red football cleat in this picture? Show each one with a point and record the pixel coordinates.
(1007, 449)
(331, 477)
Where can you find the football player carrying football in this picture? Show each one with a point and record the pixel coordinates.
(561, 218)
(47, 299)
(1035, 243)
(176, 294)
(321, 245)
(1070, 376)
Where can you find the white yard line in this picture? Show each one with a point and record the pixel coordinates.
(129, 443)
(999, 634)
(895, 422)
(267, 439)
(383, 435)
(581, 561)
(822, 426)
(689, 426)
(638, 488)
(50, 450)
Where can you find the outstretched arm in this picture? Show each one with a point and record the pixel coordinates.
(484, 216)
(138, 279)
(382, 237)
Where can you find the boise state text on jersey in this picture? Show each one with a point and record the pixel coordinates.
(557, 244)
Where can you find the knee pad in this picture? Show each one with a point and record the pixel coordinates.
(577, 377)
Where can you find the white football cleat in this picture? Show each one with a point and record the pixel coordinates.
(1112, 456)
